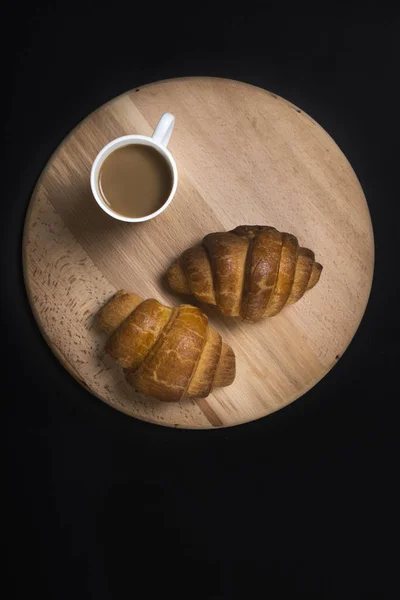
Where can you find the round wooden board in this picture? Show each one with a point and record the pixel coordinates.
(244, 156)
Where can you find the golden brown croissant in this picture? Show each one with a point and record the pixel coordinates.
(250, 272)
(168, 353)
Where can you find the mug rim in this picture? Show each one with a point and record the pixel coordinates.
(120, 142)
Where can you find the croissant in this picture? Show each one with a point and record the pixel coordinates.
(168, 353)
(250, 272)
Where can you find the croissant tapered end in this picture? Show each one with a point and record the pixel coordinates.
(168, 353)
(251, 272)
(116, 310)
(226, 370)
(192, 274)
(315, 275)
(177, 279)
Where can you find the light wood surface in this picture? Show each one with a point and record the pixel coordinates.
(244, 156)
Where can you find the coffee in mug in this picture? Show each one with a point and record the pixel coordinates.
(135, 180)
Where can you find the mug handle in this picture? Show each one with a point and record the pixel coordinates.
(163, 131)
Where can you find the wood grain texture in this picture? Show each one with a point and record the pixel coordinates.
(244, 156)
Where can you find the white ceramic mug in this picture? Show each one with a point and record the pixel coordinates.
(159, 142)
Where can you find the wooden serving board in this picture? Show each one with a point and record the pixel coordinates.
(244, 156)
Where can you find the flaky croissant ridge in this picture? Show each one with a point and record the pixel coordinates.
(168, 353)
(250, 272)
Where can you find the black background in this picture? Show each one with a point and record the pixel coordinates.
(103, 506)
